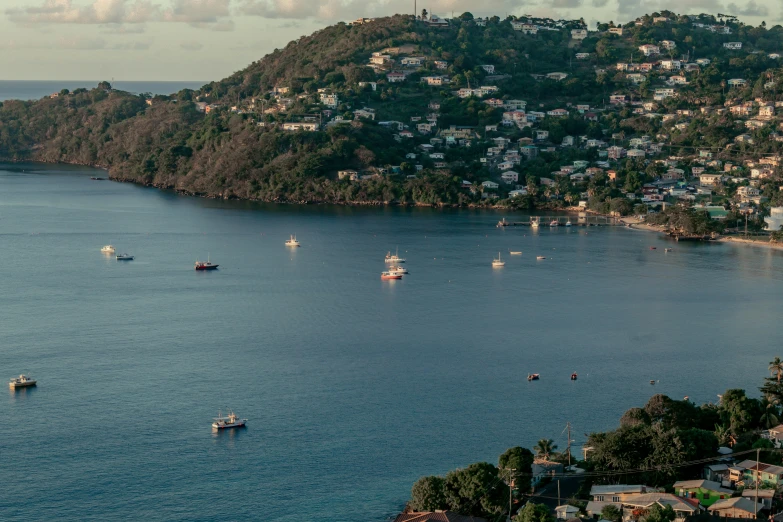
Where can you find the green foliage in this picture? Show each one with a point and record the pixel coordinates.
(428, 494)
(534, 513)
(611, 513)
(521, 460)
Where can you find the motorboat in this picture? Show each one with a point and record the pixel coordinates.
(540, 258)
(292, 242)
(390, 275)
(229, 421)
(515, 252)
(124, 257)
(23, 381)
(573, 376)
(398, 270)
(533, 376)
(497, 263)
(108, 249)
(394, 258)
(534, 223)
(554, 223)
(568, 223)
(653, 248)
(205, 265)
(667, 249)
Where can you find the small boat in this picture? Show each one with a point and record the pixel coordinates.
(108, 249)
(230, 421)
(394, 258)
(398, 270)
(534, 224)
(503, 223)
(292, 242)
(653, 248)
(497, 263)
(23, 381)
(573, 376)
(554, 223)
(390, 275)
(533, 376)
(568, 223)
(652, 382)
(540, 258)
(205, 265)
(124, 257)
(667, 249)
(515, 252)
(97, 179)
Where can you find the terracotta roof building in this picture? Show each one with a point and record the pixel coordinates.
(436, 516)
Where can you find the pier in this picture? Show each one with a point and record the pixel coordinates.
(582, 220)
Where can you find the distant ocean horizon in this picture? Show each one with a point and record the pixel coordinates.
(34, 90)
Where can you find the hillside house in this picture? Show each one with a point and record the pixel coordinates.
(542, 135)
(601, 496)
(330, 100)
(438, 22)
(372, 85)
(558, 113)
(738, 507)
(490, 185)
(615, 152)
(683, 508)
(660, 19)
(667, 45)
(635, 153)
(582, 56)
(765, 496)
(703, 61)
(649, 49)
(578, 34)
(671, 65)
(395, 77)
(300, 126)
(380, 59)
(709, 179)
(441, 64)
(734, 46)
(435, 80)
(618, 98)
(364, 113)
(705, 491)
(557, 76)
(411, 61)
(349, 174)
(489, 69)
(736, 82)
(510, 177)
(424, 128)
(616, 30)
(636, 78)
(767, 111)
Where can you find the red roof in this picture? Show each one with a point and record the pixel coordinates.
(437, 516)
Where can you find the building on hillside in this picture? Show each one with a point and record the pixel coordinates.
(411, 61)
(436, 21)
(349, 174)
(765, 496)
(330, 100)
(705, 491)
(649, 49)
(667, 44)
(736, 82)
(557, 76)
(441, 64)
(490, 69)
(372, 85)
(578, 34)
(733, 45)
(738, 507)
(582, 56)
(300, 126)
(542, 468)
(601, 496)
(395, 77)
(683, 507)
(564, 512)
(616, 30)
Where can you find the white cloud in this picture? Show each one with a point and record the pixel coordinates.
(566, 4)
(750, 9)
(191, 46)
(98, 12)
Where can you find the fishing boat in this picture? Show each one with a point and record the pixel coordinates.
(573, 376)
(205, 265)
(23, 381)
(533, 376)
(515, 252)
(652, 382)
(229, 421)
(124, 257)
(385, 276)
(292, 242)
(497, 263)
(394, 258)
(398, 270)
(554, 223)
(568, 223)
(108, 249)
(540, 258)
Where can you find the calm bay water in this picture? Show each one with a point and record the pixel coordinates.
(34, 90)
(354, 387)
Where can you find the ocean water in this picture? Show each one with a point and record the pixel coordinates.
(353, 387)
(34, 90)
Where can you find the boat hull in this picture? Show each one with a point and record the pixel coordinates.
(228, 426)
(388, 277)
(22, 385)
(202, 268)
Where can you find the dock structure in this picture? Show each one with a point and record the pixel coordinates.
(582, 220)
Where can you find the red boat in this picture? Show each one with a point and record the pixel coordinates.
(573, 376)
(205, 265)
(390, 275)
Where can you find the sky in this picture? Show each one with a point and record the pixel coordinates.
(204, 40)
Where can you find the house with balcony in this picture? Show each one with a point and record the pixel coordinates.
(650, 50)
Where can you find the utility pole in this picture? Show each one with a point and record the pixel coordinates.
(558, 492)
(568, 444)
(510, 489)
(758, 476)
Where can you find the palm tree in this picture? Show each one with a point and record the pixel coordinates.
(722, 434)
(769, 418)
(544, 447)
(776, 368)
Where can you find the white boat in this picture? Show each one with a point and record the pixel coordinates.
(497, 263)
(394, 258)
(534, 223)
(229, 421)
(398, 270)
(515, 252)
(108, 249)
(554, 223)
(23, 381)
(124, 257)
(568, 223)
(540, 258)
(292, 242)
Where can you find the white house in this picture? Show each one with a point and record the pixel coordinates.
(490, 185)
(510, 177)
(395, 77)
(649, 49)
(297, 126)
(578, 34)
(490, 69)
(668, 45)
(411, 61)
(736, 82)
(733, 45)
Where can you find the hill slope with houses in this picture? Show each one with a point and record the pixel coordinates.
(519, 112)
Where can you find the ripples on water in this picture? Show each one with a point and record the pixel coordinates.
(353, 387)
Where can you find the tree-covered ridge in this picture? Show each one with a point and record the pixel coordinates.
(229, 138)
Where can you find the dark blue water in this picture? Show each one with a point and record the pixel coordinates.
(354, 387)
(34, 90)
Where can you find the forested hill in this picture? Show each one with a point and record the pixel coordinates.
(384, 102)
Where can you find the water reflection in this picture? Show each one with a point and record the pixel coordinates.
(22, 393)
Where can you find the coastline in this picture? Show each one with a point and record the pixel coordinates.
(750, 242)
